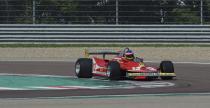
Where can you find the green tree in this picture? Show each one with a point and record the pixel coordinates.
(22, 10)
(103, 11)
(55, 11)
(188, 12)
(186, 16)
(206, 13)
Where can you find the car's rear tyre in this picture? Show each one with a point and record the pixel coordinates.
(113, 71)
(83, 68)
(166, 67)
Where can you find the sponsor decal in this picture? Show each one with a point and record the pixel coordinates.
(167, 74)
(142, 74)
(136, 68)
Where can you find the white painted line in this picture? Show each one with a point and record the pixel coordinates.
(36, 75)
(64, 87)
(55, 88)
(120, 96)
(202, 63)
(8, 88)
(192, 63)
(139, 95)
(70, 61)
(88, 87)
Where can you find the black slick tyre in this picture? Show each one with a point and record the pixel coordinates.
(166, 67)
(113, 71)
(83, 68)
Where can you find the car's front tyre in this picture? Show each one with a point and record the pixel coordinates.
(83, 68)
(113, 70)
(166, 67)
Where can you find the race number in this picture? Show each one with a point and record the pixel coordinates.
(135, 68)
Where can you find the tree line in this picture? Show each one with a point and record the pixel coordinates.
(105, 12)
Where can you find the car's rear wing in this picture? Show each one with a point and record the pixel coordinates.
(103, 53)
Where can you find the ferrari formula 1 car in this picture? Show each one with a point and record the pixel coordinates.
(120, 68)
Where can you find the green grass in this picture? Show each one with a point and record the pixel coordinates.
(100, 45)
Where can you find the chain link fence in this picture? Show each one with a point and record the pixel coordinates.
(104, 11)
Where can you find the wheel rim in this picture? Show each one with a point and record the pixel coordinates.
(77, 68)
(108, 73)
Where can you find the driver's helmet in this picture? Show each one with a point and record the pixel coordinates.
(129, 55)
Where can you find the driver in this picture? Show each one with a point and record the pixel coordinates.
(129, 55)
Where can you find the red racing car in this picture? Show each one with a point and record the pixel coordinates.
(123, 66)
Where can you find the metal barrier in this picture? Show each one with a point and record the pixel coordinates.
(104, 33)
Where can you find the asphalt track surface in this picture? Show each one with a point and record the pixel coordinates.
(191, 78)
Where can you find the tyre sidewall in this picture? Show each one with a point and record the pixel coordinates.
(114, 69)
(85, 70)
(166, 67)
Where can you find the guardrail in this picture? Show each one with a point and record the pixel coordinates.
(105, 33)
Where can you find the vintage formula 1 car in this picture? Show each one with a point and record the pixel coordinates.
(120, 68)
